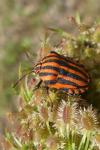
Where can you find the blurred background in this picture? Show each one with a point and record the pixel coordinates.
(22, 26)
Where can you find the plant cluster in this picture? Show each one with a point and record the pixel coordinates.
(52, 120)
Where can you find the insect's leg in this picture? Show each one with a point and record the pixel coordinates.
(47, 90)
(38, 85)
(50, 101)
(70, 92)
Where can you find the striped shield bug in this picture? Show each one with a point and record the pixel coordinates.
(62, 73)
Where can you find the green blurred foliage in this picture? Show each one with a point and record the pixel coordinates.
(22, 26)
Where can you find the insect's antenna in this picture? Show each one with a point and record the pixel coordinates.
(32, 70)
(15, 84)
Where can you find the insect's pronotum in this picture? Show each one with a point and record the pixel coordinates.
(62, 73)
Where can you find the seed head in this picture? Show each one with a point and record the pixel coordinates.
(97, 140)
(52, 143)
(88, 120)
(44, 113)
(66, 117)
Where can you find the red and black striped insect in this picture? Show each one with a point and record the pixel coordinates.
(62, 73)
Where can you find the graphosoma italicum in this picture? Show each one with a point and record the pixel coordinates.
(63, 73)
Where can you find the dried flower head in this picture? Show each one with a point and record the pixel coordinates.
(88, 120)
(97, 140)
(4, 143)
(52, 143)
(39, 147)
(44, 113)
(66, 116)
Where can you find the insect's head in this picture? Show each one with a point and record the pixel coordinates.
(36, 69)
